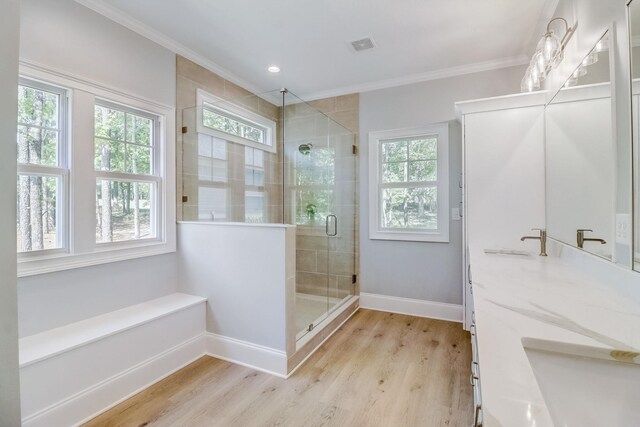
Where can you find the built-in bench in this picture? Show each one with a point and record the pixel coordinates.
(70, 374)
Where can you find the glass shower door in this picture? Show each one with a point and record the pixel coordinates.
(320, 201)
(341, 222)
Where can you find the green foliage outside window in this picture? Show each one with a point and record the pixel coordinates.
(37, 144)
(409, 175)
(123, 143)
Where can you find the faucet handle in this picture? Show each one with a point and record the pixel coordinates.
(538, 229)
(584, 229)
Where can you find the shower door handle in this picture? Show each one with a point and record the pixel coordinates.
(335, 225)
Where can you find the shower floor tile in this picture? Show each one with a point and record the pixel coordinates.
(309, 308)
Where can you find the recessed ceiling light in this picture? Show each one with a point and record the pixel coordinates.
(273, 69)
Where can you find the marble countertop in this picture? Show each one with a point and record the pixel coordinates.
(569, 297)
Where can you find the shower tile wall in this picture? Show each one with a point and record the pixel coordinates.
(190, 77)
(313, 255)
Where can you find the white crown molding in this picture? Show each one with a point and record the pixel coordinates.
(144, 30)
(421, 77)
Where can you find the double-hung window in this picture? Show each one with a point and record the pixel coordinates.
(42, 167)
(96, 180)
(409, 185)
(127, 178)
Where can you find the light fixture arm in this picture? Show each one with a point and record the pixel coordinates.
(568, 31)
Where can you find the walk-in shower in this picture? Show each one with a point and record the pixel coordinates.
(272, 159)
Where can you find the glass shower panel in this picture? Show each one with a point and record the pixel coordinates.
(230, 158)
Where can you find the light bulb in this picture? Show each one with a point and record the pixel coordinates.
(550, 47)
(540, 63)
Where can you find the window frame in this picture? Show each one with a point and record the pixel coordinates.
(238, 113)
(60, 171)
(376, 186)
(82, 249)
(154, 178)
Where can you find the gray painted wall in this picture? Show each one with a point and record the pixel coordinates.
(9, 377)
(419, 270)
(65, 36)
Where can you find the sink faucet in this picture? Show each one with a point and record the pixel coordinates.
(542, 237)
(581, 239)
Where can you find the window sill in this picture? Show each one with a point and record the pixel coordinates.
(409, 236)
(59, 262)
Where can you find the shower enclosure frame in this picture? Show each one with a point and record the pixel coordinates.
(332, 280)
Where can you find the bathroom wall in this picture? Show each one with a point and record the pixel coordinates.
(190, 78)
(9, 378)
(246, 273)
(419, 270)
(66, 37)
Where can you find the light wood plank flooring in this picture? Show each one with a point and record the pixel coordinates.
(379, 369)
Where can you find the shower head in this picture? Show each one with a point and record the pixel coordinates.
(305, 148)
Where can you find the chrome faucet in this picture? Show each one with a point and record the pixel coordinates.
(542, 237)
(581, 239)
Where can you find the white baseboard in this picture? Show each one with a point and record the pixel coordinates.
(108, 393)
(413, 307)
(244, 353)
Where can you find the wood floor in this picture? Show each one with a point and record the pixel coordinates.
(379, 369)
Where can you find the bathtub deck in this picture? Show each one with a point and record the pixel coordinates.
(379, 369)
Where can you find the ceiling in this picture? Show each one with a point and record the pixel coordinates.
(416, 40)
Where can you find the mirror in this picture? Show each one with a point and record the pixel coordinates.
(580, 157)
(634, 35)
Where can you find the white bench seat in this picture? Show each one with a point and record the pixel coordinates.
(71, 373)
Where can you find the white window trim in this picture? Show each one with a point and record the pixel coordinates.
(61, 170)
(234, 110)
(376, 232)
(83, 251)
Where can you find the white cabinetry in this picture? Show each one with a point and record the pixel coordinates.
(503, 188)
(503, 168)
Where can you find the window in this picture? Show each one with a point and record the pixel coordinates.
(96, 180)
(409, 186)
(213, 172)
(254, 195)
(42, 167)
(234, 123)
(126, 175)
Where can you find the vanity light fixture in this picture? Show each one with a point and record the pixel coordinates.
(549, 53)
(273, 69)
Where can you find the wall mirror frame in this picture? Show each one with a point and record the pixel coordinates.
(580, 156)
(633, 23)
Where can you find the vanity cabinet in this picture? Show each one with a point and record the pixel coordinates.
(475, 374)
(503, 176)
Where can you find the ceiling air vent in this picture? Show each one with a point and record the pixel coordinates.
(362, 44)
